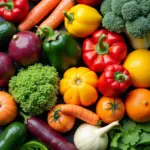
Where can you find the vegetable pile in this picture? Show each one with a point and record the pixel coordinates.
(75, 74)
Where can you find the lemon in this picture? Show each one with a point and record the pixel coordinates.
(138, 65)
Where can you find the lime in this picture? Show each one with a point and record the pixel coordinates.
(33, 145)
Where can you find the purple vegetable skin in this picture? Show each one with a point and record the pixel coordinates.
(25, 48)
(7, 69)
(47, 135)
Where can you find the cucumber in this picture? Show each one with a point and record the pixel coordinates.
(13, 136)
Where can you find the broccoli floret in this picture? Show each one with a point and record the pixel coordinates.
(130, 10)
(113, 23)
(116, 6)
(35, 88)
(148, 17)
(144, 6)
(105, 7)
(138, 28)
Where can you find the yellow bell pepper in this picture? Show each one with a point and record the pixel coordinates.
(82, 20)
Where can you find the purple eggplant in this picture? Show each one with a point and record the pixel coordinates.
(47, 135)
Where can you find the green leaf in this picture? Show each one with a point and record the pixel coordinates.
(114, 142)
(144, 139)
(131, 136)
(147, 148)
(132, 148)
(145, 126)
(128, 124)
(123, 146)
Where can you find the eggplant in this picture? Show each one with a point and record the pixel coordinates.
(47, 135)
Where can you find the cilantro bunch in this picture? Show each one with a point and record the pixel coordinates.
(130, 136)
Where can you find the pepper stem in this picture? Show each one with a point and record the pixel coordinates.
(46, 32)
(70, 17)
(120, 77)
(9, 5)
(102, 47)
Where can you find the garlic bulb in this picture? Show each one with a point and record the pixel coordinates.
(89, 137)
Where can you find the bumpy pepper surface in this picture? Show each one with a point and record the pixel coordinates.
(14, 10)
(102, 49)
(82, 20)
(61, 49)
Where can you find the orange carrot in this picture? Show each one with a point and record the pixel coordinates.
(38, 13)
(81, 113)
(57, 16)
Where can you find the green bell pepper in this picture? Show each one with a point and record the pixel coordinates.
(61, 48)
(13, 136)
(7, 30)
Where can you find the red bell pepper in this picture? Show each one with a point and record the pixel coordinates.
(14, 10)
(89, 2)
(102, 49)
(114, 80)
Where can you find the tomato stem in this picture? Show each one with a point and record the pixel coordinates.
(113, 106)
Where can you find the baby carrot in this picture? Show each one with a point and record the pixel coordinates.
(57, 16)
(38, 13)
(81, 113)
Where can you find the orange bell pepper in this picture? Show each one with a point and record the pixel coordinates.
(79, 86)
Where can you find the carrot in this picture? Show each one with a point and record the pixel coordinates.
(38, 13)
(57, 16)
(81, 113)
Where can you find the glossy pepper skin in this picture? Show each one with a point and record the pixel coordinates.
(82, 20)
(14, 10)
(7, 30)
(61, 49)
(114, 80)
(89, 2)
(102, 49)
(13, 136)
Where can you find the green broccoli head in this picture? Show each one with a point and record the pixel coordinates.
(35, 88)
(113, 23)
(144, 6)
(105, 7)
(116, 6)
(138, 28)
(131, 10)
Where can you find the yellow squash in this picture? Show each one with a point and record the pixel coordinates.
(79, 86)
(82, 20)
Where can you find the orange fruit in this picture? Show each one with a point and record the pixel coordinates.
(138, 65)
(137, 105)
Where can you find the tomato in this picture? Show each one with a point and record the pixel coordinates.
(137, 105)
(110, 109)
(79, 86)
(59, 121)
(138, 65)
(8, 108)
